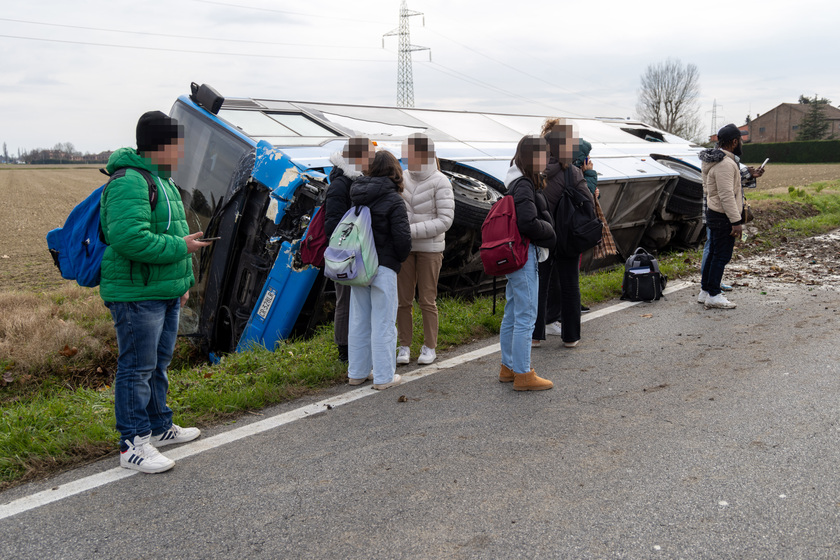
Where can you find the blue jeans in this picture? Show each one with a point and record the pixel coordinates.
(721, 244)
(372, 341)
(522, 296)
(146, 332)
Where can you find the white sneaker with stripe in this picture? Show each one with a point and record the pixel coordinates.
(175, 434)
(142, 456)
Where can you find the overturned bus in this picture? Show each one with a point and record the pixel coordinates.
(255, 170)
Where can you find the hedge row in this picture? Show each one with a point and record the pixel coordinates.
(814, 151)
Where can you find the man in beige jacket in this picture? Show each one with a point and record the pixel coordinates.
(725, 202)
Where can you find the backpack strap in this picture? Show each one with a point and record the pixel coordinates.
(150, 182)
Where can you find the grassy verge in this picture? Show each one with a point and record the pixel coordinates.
(59, 410)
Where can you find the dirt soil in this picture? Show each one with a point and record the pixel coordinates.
(36, 200)
(779, 177)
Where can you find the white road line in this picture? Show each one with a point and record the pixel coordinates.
(199, 446)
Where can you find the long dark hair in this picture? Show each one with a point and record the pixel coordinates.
(385, 164)
(524, 158)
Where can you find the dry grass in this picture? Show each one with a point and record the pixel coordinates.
(67, 331)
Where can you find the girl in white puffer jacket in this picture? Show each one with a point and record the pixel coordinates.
(431, 208)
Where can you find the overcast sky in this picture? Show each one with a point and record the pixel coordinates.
(84, 71)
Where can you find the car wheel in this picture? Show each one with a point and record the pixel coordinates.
(473, 199)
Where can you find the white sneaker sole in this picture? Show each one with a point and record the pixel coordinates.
(147, 470)
(397, 380)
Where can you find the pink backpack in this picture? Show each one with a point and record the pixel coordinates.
(503, 250)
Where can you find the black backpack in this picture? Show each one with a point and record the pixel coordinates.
(642, 279)
(575, 222)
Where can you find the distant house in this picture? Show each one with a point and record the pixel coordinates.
(782, 123)
(745, 134)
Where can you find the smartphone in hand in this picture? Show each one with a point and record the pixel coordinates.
(209, 239)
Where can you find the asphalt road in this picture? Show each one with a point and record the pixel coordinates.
(672, 432)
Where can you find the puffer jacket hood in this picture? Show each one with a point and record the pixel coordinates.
(129, 157)
(513, 174)
(712, 155)
(581, 153)
(366, 190)
(350, 171)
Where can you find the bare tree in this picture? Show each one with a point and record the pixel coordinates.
(668, 98)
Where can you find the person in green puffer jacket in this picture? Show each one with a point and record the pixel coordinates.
(146, 277)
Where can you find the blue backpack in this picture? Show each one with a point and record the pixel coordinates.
(77, 248)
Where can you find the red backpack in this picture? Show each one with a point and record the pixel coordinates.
(315, 241)
(503, 250)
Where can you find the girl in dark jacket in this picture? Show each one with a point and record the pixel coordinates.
(372, 339)
(349, 164)
(525, 183)
(559, 273)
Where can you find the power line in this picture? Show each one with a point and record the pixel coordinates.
(272, 10)
(168, 35)
(461, 76)
(543, 80)
(189, 51)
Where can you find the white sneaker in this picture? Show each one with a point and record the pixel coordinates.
(356, 381)
(427, 355)
(403, 355)
(175, 434)
(554, 329)
(719, 302)
(397, 380)
(142, 456)
(703, 296)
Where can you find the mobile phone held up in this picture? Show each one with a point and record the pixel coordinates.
(209, 239)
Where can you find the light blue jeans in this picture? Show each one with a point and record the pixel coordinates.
(522, 295)
(372, 340)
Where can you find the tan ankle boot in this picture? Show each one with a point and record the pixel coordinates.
(530, 382)
(506, 375)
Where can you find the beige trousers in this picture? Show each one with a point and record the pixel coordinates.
(418, 274)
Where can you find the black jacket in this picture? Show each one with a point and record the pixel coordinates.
(389, 219)
(337, 201)
(532, 215)
(556, 182)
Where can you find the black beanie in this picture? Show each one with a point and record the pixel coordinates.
(728, 133)
(155, 129)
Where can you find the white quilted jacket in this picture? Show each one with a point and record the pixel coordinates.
(431, 208)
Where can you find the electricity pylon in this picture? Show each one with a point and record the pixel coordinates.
(405, 78)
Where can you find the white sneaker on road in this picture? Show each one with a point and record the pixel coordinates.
(142, 456)
(175, 434)
(403, 355)
(397, 380)
(719, 302)
(704, 295)
(554, 329)
(427, 355)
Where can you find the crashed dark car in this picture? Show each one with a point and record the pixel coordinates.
(256, 169)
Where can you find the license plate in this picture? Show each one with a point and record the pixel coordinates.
(265, 306)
